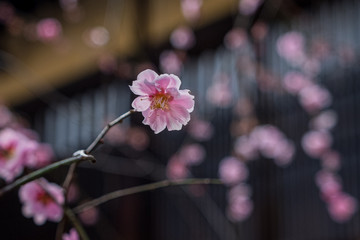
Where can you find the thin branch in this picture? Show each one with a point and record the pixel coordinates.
(144, 188)
(98, 139)
(42, 171)
(76, 223)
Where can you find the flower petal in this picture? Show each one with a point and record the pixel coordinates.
(143, 87)
(176, 117)
(148, 75)
(185, 99)
(141, 103)
(165, 81)
(156, 120)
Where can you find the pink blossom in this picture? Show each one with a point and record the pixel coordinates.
(283, 153)
(191, 9)
(232, 171)
(259, 30)
(116, 135)
(72, 193)
(235, 38)
(137, 138)
(290, 46)
(5, 116)
(294, 82)
(182, 38)
(161, 101)
(246, 148)
(72, 235)
(326, 120)
(192, 154)
(89, 216)
(239, 207)
(342, 207)
(331, 160)
(315, 143)
(42, 201)
(219, 93)
(39, 155)
(48, 29)
(314, 98)
(176, 168)
(200, 130)
(170, 62)
(248, 7)
(329, 184)
(13, 147)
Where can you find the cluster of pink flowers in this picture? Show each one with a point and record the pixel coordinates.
(42, 201)
(189, 155)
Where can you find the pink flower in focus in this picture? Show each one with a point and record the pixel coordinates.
(294, 82)
(182, 38)
(13, 147)
(315, 143)
(191, 9)
(170, 62)
(314, 98)
(192, 154)
(72, 235)
(42, 201)
(161, 101)
(235, 38)
(200, 130)
(232, 171)
(176, 168)
(342, 207)
(248, 7)
(290, 46)
(48, 29)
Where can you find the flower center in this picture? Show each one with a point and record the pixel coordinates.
(7, 152)
(160, 101)
(44, 198)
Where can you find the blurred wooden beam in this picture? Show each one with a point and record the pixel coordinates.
(36, 68)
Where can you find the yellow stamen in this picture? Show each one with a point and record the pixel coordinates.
(160, 101)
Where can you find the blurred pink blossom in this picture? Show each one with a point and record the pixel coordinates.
(72, 235)
(294, 82)
(7, 12)
(325, 120)
(329, 184)
(246, 148)
(68, 5)
(89, 216)
(192, 154)
(170, 62)
(342, 207)
(116, 135)
(283, 153)
(315, 143)
(248, 7)
(48, 29)
(5, 116)
(72, 193)
(191, 9)
(232, 171)
(137, 138)
(13, 148)
(161, 101)
(182, 38)
(259, 30)
(39, 156)
(239, 190)
(42, 201)
(235, 38)
(239, 208)
(219, 93)
(331, 160)
(176, 168)
(200, 130)
(314, 98)
(290, 46)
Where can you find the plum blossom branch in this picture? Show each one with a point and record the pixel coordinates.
(41, 172)
(144, 188)
(76, 223)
